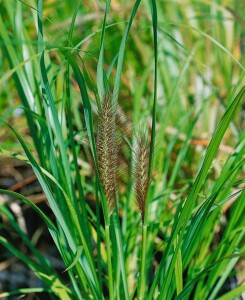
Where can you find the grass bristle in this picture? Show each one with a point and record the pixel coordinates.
(107, 150)
(141, 171)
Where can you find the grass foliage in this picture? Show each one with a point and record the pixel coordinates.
(132, 118)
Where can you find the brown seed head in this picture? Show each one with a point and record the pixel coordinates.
(141, 171)
(106, 145)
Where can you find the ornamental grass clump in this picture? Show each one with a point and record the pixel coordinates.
(188, 243)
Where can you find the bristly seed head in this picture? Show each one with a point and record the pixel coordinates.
(141, 171)
(106, 146)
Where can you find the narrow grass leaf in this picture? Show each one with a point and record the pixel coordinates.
(234, 293)
(77, 257)
(100, 67)
(122, 51)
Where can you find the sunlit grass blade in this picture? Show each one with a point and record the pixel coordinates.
(23, 291)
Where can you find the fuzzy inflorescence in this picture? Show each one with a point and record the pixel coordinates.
(141, 171)
(107, 150)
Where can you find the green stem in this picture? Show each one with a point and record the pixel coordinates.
(98, 236)
(143, 264)
(108, 249)
(121, 254)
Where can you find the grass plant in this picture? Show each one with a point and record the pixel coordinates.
(133, 124)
